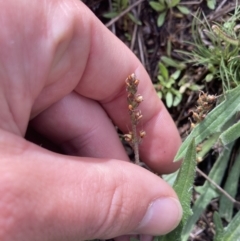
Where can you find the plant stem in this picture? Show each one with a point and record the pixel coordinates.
(135, 143)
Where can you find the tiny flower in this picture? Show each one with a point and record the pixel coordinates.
(142, 134)
(199, 109)
(139, 98)
(138, 115)
(130, 107)
(211, 98)
(136, 82)
(196, 117)
(128, 137)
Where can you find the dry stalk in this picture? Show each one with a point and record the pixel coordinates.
(134, 137)
(234, 201)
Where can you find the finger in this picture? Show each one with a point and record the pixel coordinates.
(47, 196)
(107, 85)
(75, 49)
(102, 78)
(80, 127)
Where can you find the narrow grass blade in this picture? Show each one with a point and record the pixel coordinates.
(231, 134)
(183, 187)
(231, 186)
(207, 191)
(232, 232)
(214, 121)
(218, 227)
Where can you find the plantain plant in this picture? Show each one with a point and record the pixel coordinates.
(164, 6)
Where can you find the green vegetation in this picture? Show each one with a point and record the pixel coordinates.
(221, 126)
(117, 7)
(163, 6)
(221, 56)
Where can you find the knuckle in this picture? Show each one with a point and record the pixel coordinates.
(119, 215)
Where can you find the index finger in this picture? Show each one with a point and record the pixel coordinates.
(109, 63)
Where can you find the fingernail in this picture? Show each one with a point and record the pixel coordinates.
(162, 216)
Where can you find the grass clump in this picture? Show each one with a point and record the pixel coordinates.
(216, 47)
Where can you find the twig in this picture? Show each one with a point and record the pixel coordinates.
(140, 45)
(134, 37)
(136, 34)
(219, 188)
(220, 5)
(113, 25)
(123, 13)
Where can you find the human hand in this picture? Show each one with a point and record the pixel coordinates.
(62, 69)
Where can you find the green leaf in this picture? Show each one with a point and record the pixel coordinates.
(173, 63)
(177, 100)
(211, 4)
(159, 93)
(134, 19)
(183, 10)
(176, 92)
(161, 79)
(218, 227)
(164, 71)
(169, 83)
(209, 77)
(195, 87)
(161, 18)
(232, 232)
(110, 15)
(183, 187)
(173, 3)
(208, 191)
(214, 121)
(157, 6)
(231, 186)
(169, 99)
(176, 74)
(124, 4)
(231, 134)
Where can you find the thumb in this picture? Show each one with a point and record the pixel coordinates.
(47, 196)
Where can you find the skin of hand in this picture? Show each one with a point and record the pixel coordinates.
(63, 71)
